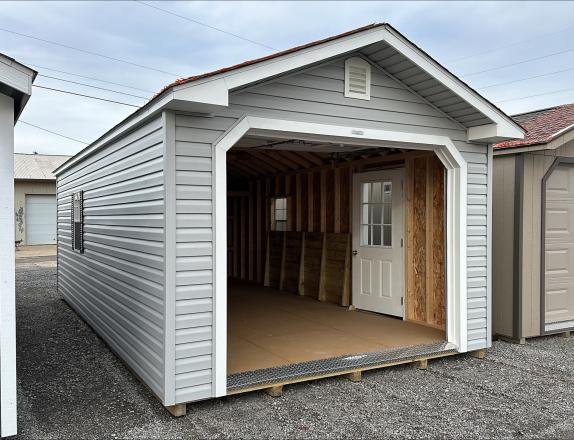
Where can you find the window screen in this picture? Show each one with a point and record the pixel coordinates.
(279, 216)
(78, 221)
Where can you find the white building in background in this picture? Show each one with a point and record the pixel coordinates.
(35, 198)
(15, 90)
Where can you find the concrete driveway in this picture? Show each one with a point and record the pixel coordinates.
(71, 386)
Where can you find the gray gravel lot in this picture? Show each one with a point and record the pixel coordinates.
(72, 386)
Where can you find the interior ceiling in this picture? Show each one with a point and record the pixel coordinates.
(254, 157)
(404, 70)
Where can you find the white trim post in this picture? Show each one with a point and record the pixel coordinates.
(8, 421)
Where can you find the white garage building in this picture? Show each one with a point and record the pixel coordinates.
(35, 198)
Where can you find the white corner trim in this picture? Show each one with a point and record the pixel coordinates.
(170, 226)
(455, 217)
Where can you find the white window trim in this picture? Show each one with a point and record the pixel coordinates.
(456, 200)
(348, 64)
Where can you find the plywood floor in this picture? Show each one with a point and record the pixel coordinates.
(269, 328)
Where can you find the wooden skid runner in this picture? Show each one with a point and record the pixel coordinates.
(354, 375)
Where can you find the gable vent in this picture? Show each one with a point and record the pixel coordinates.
(357, 78)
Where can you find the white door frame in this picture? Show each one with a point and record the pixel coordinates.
(456, 199)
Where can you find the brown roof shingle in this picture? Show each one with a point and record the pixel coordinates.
(541, 126)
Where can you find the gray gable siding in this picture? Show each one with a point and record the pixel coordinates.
(117, 285)
(315, 95)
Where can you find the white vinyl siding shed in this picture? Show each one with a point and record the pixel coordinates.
(149, 281)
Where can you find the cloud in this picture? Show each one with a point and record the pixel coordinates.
(139, 34)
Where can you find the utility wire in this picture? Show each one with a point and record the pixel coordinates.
(519, 62)
(508, 45)
(52, 132)
(526, 78)
(90, 78)
(204, 24)
(93, 87)
(85, 96)
(534, 96)
(89, 52)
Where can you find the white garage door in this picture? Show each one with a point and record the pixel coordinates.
(559, 249)
(40, 219)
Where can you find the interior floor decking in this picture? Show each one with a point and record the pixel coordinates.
(269, 328)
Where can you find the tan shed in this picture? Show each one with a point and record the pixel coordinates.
(533, 228)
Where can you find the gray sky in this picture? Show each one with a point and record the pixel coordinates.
(466, 37)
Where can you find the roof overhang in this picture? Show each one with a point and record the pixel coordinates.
(16, 81)
(207, 93)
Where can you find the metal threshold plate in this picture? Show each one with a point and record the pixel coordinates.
(285, 373)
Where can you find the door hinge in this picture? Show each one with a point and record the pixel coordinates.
(401, 300)
(401, 242)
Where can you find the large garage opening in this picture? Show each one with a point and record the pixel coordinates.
(333, 251)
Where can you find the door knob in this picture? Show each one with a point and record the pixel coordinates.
(355, 252)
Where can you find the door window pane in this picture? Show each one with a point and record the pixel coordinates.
(376, 214)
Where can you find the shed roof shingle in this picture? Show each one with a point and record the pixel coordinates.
(542, 126)
(36, 166)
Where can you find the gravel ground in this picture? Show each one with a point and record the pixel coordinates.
(72, 386)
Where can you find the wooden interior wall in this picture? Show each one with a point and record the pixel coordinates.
(425, 241)
(319, 201)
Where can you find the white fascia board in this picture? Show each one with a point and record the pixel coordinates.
(16, 75)
(493, 133)
(448, 80)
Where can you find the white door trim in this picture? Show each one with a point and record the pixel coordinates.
(456, 199)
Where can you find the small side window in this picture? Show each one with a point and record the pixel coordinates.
(279, 214)
(78, 221)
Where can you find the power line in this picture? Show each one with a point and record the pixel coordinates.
(526, 78)
(205, 25)
(520, 62)
(93, 87)
(89, 52)
(53, 132)
(534, 96)
(85, 96)
(90, 77)
(507, 45)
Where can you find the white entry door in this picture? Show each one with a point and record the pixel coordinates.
(378, 266)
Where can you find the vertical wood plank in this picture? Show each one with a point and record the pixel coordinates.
(429, 241)
(322, 279)
(323, 201)
(310, 201)
(251, 227)
(243, 246)
(259, 231)
(236, 235)
(298, 202)
(337, 200)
